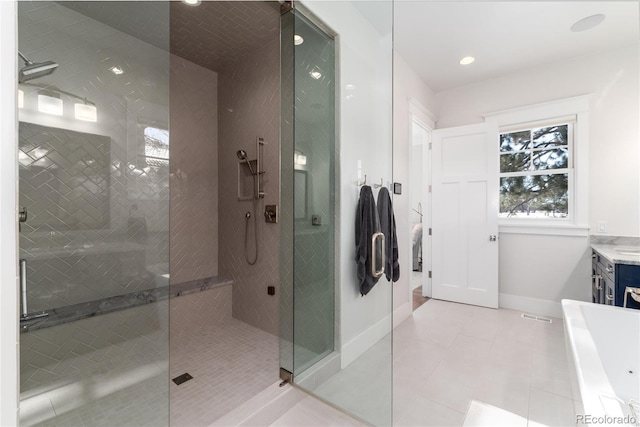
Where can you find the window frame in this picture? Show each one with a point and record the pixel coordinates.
(574, 110)
(561, 121)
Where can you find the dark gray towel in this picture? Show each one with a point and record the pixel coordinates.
(388, 228)
(367, 224)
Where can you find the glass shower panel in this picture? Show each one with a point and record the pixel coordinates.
(341, 349)
(313, 195)
(94, 183)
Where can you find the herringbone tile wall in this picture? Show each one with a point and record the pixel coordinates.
(194, 171)
(98, 208)
(249, 108)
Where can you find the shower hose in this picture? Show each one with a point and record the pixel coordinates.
(255, 235)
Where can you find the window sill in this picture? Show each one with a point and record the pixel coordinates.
(545, 229)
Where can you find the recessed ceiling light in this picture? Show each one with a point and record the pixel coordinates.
(467, 60)
(191, 2)
(587, 23)
(297, 39)
(116, 70)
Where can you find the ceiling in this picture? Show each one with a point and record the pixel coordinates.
(213, 34)
(503, 36)
(432, 36)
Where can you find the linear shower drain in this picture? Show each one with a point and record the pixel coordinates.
(539, 319)
(182, 378)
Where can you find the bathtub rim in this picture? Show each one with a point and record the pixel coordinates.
(592, 378)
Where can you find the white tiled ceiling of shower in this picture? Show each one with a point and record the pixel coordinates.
(213, 34)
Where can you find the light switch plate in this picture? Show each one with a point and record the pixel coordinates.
(602, 226)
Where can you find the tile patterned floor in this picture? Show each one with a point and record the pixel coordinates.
(230, 362)
(456, 364)
(461, 365)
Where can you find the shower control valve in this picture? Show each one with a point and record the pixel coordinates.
(271, 214)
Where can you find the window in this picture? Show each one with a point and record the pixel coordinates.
(535, 165)
(156, 146)
(544, 167)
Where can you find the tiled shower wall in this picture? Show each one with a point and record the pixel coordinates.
(249, 107)
(98, 211)
(193, 171)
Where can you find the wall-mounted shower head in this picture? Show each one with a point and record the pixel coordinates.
(33, 70)
(242, 155)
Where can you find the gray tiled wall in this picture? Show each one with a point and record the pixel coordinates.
(194, 172)
(249, 108)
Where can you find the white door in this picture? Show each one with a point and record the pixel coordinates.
(465, 214)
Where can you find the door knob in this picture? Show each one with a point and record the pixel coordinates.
(493, 238)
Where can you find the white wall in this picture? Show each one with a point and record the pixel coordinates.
(549, 268)
(8, 210)
(365, 61)
(406, 85)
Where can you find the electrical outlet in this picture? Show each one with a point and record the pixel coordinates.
(602, 226)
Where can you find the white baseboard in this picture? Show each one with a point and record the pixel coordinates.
(362, 342)
(320, 372)
(402, 313)
(531, 305)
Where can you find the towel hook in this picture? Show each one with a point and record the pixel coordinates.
(360, 184)
(378, 185)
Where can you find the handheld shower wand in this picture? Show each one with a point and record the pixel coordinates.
(242, 155)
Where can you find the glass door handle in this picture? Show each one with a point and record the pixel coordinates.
(23, 286)
(375, 271)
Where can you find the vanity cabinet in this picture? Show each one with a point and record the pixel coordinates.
(627, 275)
(609, 281)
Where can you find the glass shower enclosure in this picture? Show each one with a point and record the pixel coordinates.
(94, 190)
(336, 343)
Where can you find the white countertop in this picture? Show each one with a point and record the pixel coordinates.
(619, 254)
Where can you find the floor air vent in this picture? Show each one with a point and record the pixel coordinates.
(539, 319)
(182, 378)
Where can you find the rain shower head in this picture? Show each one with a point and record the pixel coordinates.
(33, 70)
(242, 155)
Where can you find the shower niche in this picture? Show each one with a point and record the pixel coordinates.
(246, 180)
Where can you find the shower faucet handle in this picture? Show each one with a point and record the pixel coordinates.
(271, 214)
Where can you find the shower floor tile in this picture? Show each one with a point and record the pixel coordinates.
(230, 362)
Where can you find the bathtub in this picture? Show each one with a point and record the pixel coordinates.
(603, 350)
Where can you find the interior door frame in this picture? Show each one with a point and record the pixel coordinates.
(421, 115)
